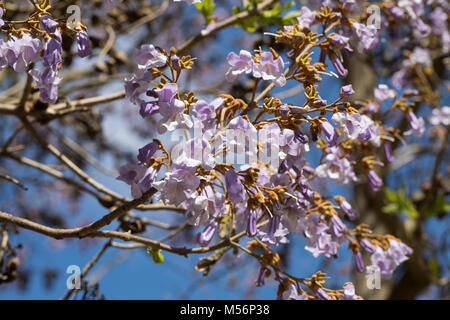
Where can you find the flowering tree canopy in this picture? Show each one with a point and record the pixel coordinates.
(239, 129)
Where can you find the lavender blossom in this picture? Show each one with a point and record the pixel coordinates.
(346, 91)
(368, 246)
(382, 93)
(374, 181)
(235, 189)
(239, 64)
(149, 57)
(349, 292)
(359, 261)
(440, 116)
(417, 125)
(269, 68)
(351, 213)
(307, 18)
(205, 237)
(388, 152)
(147, 152)
(83, 44)
(291, 293)
(138, 177)
(178, 184)
(337, 168)
(329, 133)
(337, 64)
(366, 35)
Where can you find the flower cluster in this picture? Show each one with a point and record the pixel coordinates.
(42, 41)
(266, 65)
(272, 200)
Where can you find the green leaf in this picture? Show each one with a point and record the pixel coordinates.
(391, 208)
(439, 205)
(391, 195)
(270, 16)
(399, 202)
(433, 265)
(289, 18)
(206, 7)
(156, 255)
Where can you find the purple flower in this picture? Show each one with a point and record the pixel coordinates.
(366, 35)
(138, 177)
(291, 293)
(318, 237)
(439, 20)
(83, 44)
(336, 167)
(383, 93)
(396, 12)
(189, 1)
(421, 29)
(148, 108)
(417, 125)
(347, 91)
(387, 261)
(339, 227)
(251, 224)
(7, 54)
(2, 23)
(349, 211)
(388, 152)
(47, 82)
(136, 85)
(274, 232)
(347, 4)
(358, 127)
(340, 42)
(400, 78)
(440, 116)
(24, 51)
(261, 275)
(283, 166)
(349, 292)
(359, 261)
(368, 246)
(420, 56)
(329, 133)
(149, 57)
(307, 18)
(131, 173)
(371, 108)
(204, 206)
(322, 295)
(48, 24)
(235, 189)
(398, 251)
(270, 69)
(284, 110)
(205, 237)
(195, 152)
(178, 184)
(171, 109)
(337, 64)
(206, 112)
(239, 64)
(147, 152)
(374, 180)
